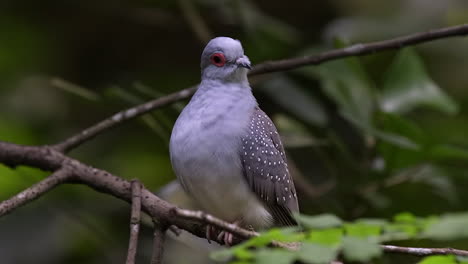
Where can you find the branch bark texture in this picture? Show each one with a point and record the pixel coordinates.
(134, 222)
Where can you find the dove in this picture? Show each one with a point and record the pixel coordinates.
(226, 152)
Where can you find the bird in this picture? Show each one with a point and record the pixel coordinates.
(226, 152)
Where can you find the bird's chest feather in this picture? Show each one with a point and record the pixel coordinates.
(205, 153)
(207, 135)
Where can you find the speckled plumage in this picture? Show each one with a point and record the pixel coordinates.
(266, 169)
(226, 152)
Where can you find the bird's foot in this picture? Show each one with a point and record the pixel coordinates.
(210, 231)
(224, 236)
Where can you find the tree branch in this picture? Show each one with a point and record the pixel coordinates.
(211, 220)
(361, 49)
(49, 159)
(159, 237)
(69, 170)
(262, 68)
(134, 222)
(35, 191)
(241, 233)
(121, 117)
(422, 252)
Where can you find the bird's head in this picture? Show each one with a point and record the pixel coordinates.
(223, 59)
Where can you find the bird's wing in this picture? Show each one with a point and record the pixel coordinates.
(266, 168)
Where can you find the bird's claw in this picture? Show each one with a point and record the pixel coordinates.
(224, 236)
(209, 231)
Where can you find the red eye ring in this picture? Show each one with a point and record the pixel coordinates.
(218, 59)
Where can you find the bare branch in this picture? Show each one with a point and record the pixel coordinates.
(69, 170)
(134, 222)
(361, 49)
(121, 117)
(159, 236)
(46, 158)
(35, 191)
(241, 233)
(262, 68)
(424, 251)
(209, 219)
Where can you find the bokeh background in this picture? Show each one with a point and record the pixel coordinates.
(366, 137)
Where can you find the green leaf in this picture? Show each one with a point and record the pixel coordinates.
(450, 226)
(358, 249)
(408, 86)
(401, 230)
(395, 139)
(405, 217)
(277, 256)
(362, 230)
(319, 221)
(447, 152)
(402, 141)
(329, 237)
(439, 260)
(299, 103)
(373, 221)
(316, 254)
(289, 234)
(75, 89)
(294, 133)
(347, 83)
(242, 253)
(441, 183)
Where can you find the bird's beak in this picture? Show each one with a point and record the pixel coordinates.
(244, 62)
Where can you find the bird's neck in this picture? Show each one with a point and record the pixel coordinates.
(226, 75)
(217, 89)
(215, 97)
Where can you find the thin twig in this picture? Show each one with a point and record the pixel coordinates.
(361, 49)
(209, 219)
(35, 191)
(121, 117)
(424, 251)
(159, 236)
(262, 68)
(241, 233)
(134, 222)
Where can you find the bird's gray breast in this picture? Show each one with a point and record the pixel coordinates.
(205, 152)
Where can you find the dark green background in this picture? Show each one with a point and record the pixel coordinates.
(372, 136)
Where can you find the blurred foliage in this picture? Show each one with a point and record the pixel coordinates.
(385, 133)
(325, 236)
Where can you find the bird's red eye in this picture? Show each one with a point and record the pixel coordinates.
(218, 59)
